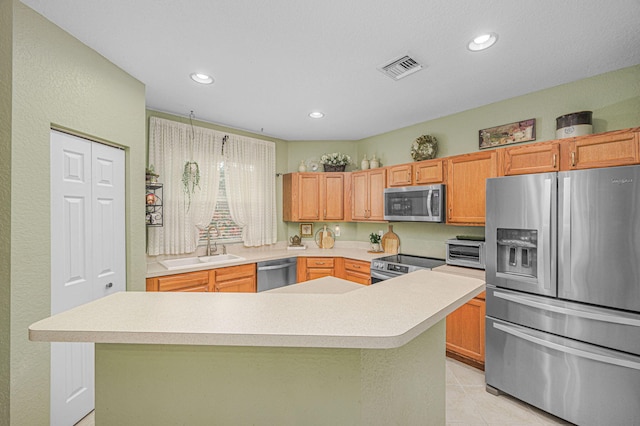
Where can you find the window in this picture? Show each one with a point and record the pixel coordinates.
(230, 232)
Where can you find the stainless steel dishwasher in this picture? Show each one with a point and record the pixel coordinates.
(276, 273)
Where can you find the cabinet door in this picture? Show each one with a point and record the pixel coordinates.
(377, 184)
(399, 175)
(534, 158)
(360, 197)
(313, 273)
(465, 331)
(333, 196)
(190, 281)
(428, 172)
(308, 196)
(620, 148)
(466, 186)
(236, 279)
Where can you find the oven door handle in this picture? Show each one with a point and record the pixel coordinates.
(566, 349)
(383, 275)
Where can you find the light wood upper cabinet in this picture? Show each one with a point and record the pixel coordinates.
(400, 175)
(466, 176)
(429, 172)
(619, 148)
(533, 158)
(419, 173)
(367, 188)
(314, 196)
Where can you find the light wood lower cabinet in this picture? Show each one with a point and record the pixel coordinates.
(310, 268)
(357, 271)
(465, 333)
(240, 278)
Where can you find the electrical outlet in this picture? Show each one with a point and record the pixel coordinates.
(381, 232)
(336, 231)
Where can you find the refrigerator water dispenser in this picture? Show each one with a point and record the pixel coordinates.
(517, 252)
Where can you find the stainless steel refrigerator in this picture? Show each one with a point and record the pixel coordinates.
(563, 293)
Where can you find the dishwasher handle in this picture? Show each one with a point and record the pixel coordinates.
(271, 268)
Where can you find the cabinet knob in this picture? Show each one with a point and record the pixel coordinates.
(573, 159)
(554, 160)
(109, 285)
(418, 175)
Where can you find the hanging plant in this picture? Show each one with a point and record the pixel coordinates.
(190, 180)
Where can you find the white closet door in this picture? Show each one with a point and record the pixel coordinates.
(87, 253)
(108, 236)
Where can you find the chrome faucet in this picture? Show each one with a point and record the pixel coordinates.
(215, 245)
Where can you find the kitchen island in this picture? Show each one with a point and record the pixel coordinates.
(322, 352)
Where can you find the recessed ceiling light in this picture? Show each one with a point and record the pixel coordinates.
(482, 42)
(201, 78)
(316, 114)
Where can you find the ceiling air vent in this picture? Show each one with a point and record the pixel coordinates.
(400, 67)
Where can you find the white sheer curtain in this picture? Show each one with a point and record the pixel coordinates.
(171, 145)
(250, 177)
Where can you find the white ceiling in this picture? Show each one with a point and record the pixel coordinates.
(276, 61)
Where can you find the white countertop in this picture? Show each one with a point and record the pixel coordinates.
(323, 313)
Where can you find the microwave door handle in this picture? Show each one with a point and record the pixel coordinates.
(429, 211)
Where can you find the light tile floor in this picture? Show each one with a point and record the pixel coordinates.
(469, 404)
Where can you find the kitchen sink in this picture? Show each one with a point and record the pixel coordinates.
(189, 262)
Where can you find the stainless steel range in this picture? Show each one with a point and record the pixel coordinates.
(396, 265)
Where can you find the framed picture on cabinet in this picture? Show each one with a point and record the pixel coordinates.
(520, 131)
(306, 230)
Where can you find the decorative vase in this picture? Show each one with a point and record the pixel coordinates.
(374, 163)
(375, 247)
(302, 167)
(424, 147)
(364, 165)
(330, 168)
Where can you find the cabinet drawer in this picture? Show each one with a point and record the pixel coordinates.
(237, 285)
(235, 272)
(192, 281)
(357, 266)
(357, 277)
(320, 262)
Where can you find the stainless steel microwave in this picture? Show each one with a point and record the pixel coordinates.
(414, 203)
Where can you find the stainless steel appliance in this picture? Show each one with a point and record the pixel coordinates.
(414, 203)
(563, 292)
(388, 267)
(468, 253)
(276, 273)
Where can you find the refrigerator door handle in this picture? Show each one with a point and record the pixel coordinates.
(547, 306)
(546, 234)
(565, 349)
(564, 252)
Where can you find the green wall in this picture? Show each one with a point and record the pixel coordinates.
(6, 48)
(58, 81)
(613, 97)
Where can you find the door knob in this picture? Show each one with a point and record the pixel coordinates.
(109, 285)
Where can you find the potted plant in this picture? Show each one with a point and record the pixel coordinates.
(335, 162)
(375, 238)
(150, 174)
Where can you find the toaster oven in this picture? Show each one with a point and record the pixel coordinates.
(468, 253)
